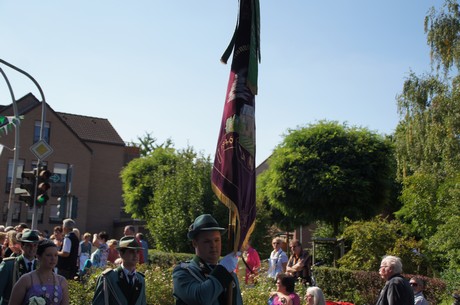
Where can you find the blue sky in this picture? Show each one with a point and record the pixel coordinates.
(153, 66)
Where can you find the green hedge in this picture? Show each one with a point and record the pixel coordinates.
(362, 287)
(357, 287)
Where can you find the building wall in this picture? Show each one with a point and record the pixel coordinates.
(105, 188)
(67, 149)
(95, 179)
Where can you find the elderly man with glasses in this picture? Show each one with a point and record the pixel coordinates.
(397, 290)
(299, 263)
(418, 285)
(278, 259)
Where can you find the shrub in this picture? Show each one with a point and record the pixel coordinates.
(358, 287)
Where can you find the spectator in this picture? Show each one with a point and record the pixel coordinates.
(113, 252)
(13, 247)
(21, 227)
(42, 285)
(57, 236)
(314, 296)
(252, 263)
(278, 259)
(67, 257)
(131, 231)
(84, 250)
(3, 239)
(141, 238)
(11, 269)
(397, 290)
(299, 264)
(99, 257)
(418, 285)
(284, 294)
(77, 233)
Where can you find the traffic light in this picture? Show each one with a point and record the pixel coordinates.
(63, 204)
(43, 186)
(27, 187)
(62, 207)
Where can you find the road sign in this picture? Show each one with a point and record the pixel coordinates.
(55, 178)
(41, 149)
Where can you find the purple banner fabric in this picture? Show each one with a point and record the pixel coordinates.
(233, 174)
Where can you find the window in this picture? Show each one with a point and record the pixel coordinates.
(59, 188)
(16, 211)
(46, 132)
(19, 169)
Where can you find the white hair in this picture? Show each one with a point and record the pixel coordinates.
(318, 296)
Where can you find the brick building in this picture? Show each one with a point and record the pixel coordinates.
(89, 145)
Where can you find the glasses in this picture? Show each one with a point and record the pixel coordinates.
(413, 284)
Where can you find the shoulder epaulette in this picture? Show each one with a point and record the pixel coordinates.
(184, 265)
(11, 258)
(140, 273)
(107, 271)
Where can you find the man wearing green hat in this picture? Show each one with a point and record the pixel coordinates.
(205, 279)
(122, 285)
(12, 268)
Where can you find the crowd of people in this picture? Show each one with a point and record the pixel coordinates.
(35, 266)
(286, 271)
(35, 269)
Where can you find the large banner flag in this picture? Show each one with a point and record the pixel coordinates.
(233, 175)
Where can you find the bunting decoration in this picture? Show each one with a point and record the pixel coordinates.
(7, 123)
(233, 173)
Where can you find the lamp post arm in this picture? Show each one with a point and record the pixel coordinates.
(9, 218)
(42, 128)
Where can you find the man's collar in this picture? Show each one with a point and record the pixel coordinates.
(205, 267)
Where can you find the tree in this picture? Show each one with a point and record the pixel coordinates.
(428, 141)
(328, 171)
(147, 144)
(140, 179)
(373, 239)
(169, 189)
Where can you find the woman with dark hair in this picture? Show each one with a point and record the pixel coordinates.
(42, 286)
(284, 294)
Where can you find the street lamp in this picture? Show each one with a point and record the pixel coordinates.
(9, 217)
(16, 151)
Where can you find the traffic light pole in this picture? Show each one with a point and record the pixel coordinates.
(42, 128)
(69, 193)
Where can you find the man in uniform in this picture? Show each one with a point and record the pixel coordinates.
(12, 268)
(205, 280)
(122, 285)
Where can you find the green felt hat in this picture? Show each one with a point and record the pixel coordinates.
(203, 222)
(128, 242)
(28, 236)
